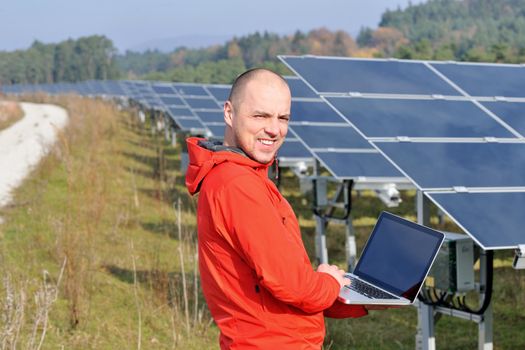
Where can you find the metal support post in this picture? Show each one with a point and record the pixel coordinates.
(152, 122)
(425, 338)
(320, 240)
(485, 327)
(173, 137)
(166, 129)
(351, 246)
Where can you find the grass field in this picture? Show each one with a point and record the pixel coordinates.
(98, 251)
(10, 113)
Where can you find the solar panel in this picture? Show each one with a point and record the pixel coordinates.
(313, 111)
(494, 219)
(441, 165)
(163, 89)
(299, 89)
(478, 183)
(216, 130)
(189, 123)
(216, 116)
(114, 88)
(190, 89)
(97, 87)
(179, 112)
(293, 148)
(336, 137)
(201, 103)
(387, 117)
(220, 93)
(171, 100)
(512, 113)
(486, 79)
(334, 75)
(345, 165)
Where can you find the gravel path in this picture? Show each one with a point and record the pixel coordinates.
(23, 144)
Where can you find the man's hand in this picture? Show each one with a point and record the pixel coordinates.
(335, 272)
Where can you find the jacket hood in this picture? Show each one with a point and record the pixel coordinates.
(205, 155)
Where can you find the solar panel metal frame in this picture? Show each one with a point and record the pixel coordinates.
(463, 226)
(462, 95)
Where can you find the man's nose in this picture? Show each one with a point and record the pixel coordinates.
(272, 127)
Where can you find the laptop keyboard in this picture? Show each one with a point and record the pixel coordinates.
(368, 290)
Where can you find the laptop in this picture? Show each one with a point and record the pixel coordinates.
(394, 263)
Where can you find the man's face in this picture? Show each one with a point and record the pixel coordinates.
(259, 117)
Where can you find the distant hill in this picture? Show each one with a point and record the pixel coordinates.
(188, 41)
(471, 30)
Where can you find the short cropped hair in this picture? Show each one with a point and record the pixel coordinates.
(240, 82)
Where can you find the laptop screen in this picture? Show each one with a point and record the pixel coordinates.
(398, 255)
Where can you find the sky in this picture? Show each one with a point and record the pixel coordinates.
(135, 24)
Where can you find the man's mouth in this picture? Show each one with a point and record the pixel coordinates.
(267, 142)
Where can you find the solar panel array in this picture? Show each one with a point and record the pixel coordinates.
(455, 129)
(195, 109)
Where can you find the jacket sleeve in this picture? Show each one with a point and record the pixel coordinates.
(259, 235)
(342, 310)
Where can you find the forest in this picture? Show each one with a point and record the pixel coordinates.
(466, 30)
(86, 58)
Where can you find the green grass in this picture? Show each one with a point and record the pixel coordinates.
(103, 199)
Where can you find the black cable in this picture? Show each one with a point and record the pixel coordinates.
(329, 213)
(488, 287)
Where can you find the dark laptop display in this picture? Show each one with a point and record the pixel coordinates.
(397, 257)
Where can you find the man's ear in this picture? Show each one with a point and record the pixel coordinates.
(228, 113)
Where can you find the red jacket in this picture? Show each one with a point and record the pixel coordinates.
(256, 276)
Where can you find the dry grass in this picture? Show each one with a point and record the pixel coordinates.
(103, 201)
(10, 113)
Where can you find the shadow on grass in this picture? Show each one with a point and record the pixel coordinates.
(141, 172)
(167, 285)
(144, 144)
(167, 228)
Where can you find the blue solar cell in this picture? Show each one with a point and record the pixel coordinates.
(352, 165)
(155, 103)
(114, 88)
(447, 165)
(211, 116)
(221, 94)
(97, 87)
(171, 100)
(188, 124)
(216, 130)
(294, 149)
(336, 75)
(511, 113)
(418, 118)
(190, 90)
(343, 136)
(299, 88)
(163, 89)
(303, 111)
(486, 80)
(495, 220)
(201, 103)
(179, 112)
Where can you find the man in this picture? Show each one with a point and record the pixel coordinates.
(256, 276)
